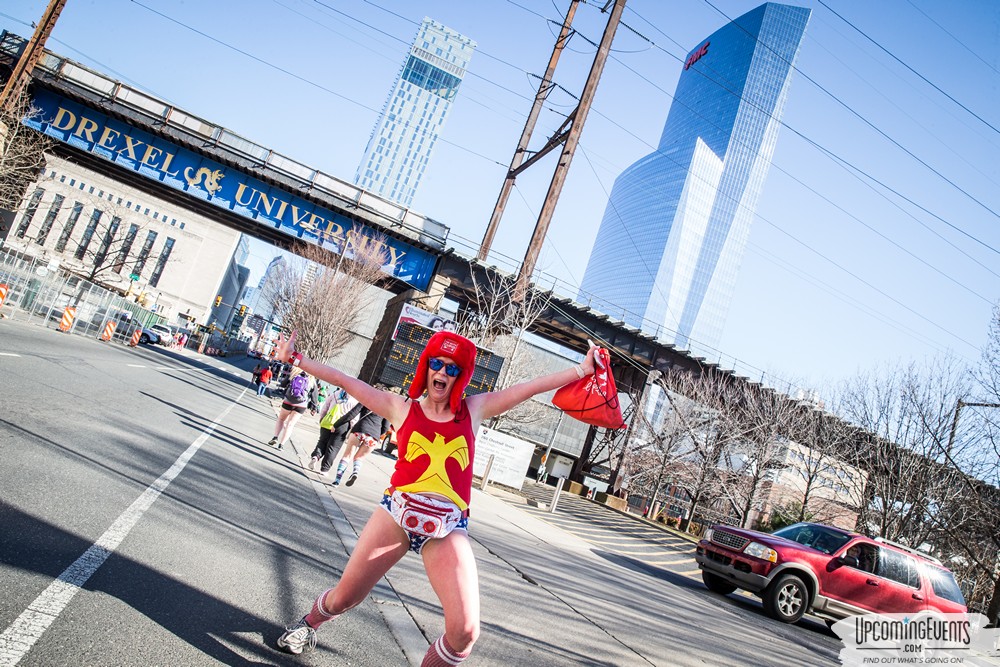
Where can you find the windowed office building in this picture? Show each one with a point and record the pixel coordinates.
(405, 134)
(674, 231)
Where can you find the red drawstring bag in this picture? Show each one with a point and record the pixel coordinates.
(593, 399)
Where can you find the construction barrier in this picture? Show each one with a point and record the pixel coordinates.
(135, 338)
(67, 318)
(3, 293)
(109, 330)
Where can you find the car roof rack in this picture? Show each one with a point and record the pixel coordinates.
(915, 552)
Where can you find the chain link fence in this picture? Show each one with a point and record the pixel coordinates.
(40, 292)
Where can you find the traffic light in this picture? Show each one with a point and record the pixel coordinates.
(218, 301)
(243, 310)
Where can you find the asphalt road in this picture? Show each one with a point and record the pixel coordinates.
(143, 521)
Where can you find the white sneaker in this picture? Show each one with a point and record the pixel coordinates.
(298, 638)
(313, 463)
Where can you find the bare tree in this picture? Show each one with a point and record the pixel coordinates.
(906, 414)
(974, 446)
(320, 294)
(113, 243)
(708, 420)
(497, 324)
(664, 440)
(22, 152)
(763, 420)
(828, 487)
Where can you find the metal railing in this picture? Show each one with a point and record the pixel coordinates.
(391, 215)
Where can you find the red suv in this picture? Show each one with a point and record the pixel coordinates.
(831, 572)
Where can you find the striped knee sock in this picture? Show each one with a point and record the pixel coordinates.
(357, 468)
(440, 654)
(341, 469)
(319, 614)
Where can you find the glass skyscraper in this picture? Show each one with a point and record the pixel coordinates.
(405, 134)
(673, 234)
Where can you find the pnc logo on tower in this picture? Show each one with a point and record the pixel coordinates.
(696, 55)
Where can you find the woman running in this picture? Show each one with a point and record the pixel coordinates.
(426, 507)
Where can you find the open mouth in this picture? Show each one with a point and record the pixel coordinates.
(440, 384)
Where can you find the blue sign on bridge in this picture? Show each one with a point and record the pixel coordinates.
(225, 187)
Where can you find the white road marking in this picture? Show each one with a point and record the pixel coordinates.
(136, 366)
(9, 354)
(669, 562)
(21, 635)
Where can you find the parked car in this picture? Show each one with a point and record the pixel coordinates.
(164, 334)
(149, 337)
(831, 572)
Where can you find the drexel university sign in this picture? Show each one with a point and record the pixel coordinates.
(222, 186)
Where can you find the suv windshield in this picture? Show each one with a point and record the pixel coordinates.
(820, 538)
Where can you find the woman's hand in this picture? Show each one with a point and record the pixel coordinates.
(285, 346)
(588, 365)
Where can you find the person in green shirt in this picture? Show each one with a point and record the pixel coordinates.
(330, 440)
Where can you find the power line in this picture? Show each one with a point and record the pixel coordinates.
(869, 123)
(913, 71)
(824, 198)
(956, 39)
(302, 78)
(826, 151)
(739, 204)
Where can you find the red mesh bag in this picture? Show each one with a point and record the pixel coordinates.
(593, 399)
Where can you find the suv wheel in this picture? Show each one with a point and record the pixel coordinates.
(717, 584)
(786, 599)
(143, 339)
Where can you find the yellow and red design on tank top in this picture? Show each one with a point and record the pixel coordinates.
(435, 457)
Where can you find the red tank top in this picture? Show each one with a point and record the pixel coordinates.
(436, 457)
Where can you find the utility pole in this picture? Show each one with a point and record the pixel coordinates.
(572, 138)
(25, 65)
(545, 86)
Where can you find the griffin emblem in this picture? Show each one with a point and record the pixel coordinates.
(212, 178)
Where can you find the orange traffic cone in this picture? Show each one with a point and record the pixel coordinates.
(3, 293)
(109, 330)
(135, 338)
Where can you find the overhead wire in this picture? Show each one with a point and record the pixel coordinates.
(327, 90)
(909, 68)
(843, 297)
(302, 78)
(958, 41)
(872, 125)
(783, 231)
(828, 200)
(838, 159)
(827, 151)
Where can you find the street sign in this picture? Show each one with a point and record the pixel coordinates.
(134, 277)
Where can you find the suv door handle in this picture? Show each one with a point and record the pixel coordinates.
(918, 596)
(871, 582)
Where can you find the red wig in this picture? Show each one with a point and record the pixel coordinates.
(458, 348)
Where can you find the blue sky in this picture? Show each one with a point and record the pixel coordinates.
(841, 273)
